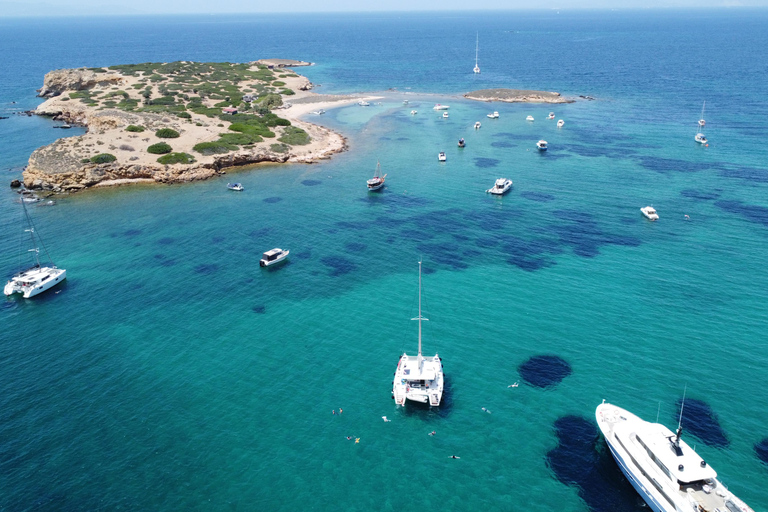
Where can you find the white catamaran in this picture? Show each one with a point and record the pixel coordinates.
(418, 378)
(37, 278)
(477, 48)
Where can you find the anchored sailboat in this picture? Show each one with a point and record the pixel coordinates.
(37, 278)
(418, 378)
(477, 48)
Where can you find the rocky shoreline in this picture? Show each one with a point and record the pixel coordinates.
(517, 96)
(128, 130)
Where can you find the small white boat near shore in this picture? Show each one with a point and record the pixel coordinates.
(529, 118)
(551, 115)
(235, 186)
(440, 107)
(462, 143)
(501, 187)
(650, 213)
(363, 103)
(494, 115)
(273, 256)
(560, 123)
(445, 115)
(477, 125)
(318, 112)
(414, 112)
(441, 157)
(542, 145)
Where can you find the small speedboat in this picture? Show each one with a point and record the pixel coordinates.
(363, 103)
(542, 145)
(529, 118)
(413, 112)
(495, 115)
(461, 143)
(445, 115)
(405, 102)
(700, 138)
(501, 186)
(276, 255)
(235, 186)
(441, 156)
(440, 107)
(551, 115)
(318, 112)
(377, 181)
(560, 123)
(477, 125)
(650, 213)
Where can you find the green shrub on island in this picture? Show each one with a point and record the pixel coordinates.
(167, 133)
(239, 138)
(134, 128)
(287, 92)
(271, 101)
(64, 99)
(279, 148)
(160, 148)
(294, 136)
(214, 148)
(103, 158)
(184, 115)
(176, 158)
(162, 100)
(97, 70)
(278, 83)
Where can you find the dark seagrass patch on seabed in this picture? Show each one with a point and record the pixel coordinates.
(757, 214)
(484, 163)
(583, 460)
(544, 371)
(700, 420)
(700, 195)
(206, 268)
(272, 200)
(259, 309)
(746, 173)
(584, 236)
(355, 247)
(311, 183)
(164, 260)
(166, 241)
(503, 144)
(761, 450)
(129, 233)
(339, 265)
(539, 197)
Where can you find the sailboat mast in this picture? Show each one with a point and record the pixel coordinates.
(477, 47)
(419, 310)
(31, 230)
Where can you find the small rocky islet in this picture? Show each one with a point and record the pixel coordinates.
(172, 122)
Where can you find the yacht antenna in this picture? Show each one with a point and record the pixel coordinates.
(680, 419)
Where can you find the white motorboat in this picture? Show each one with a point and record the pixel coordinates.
(363, 103)
(542, 145)
(699, 137)
(667, 473)
(461, 143)
(560, 123)
(413, 112)
(477, 125)
(377, 181)
(551, 115)
(495, 115)
(650, 213)
(276, 255)
(441, 156)
(318, 112)
(235, 186)
(37, 278)
(501, 187)
(418, 378)
(440, 107)
(529, 118)
(445, 115)
(476, 69)
(405, 102)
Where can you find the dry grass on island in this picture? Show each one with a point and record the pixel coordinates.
(177, 122)
(517, 96)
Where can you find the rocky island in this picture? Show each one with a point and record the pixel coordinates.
(176, 122)
(517, 96)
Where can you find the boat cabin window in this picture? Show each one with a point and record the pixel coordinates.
(653, 458)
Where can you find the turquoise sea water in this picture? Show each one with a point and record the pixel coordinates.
(172, 373)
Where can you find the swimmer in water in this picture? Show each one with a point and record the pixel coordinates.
(486, 410)
(513, 385)
(432, 433)
(455, 457)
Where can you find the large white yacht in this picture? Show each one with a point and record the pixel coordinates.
(663, 469)
(37, 278)
(501, 187)
(418, 378)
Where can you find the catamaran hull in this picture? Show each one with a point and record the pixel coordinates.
(15, 285)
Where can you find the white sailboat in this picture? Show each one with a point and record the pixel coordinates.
(477, 49)
(418, 378)
(700, 138)
(37, 278)
(377, 181)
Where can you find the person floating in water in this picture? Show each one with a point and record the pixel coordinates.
(486, 410)
(357, 440)
(349, 438)
(455, 457)
(333, 412)
(340, 410)
(432, 433)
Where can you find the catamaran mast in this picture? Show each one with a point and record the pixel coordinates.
(419, 311)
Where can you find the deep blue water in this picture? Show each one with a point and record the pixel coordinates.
(173, 373)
